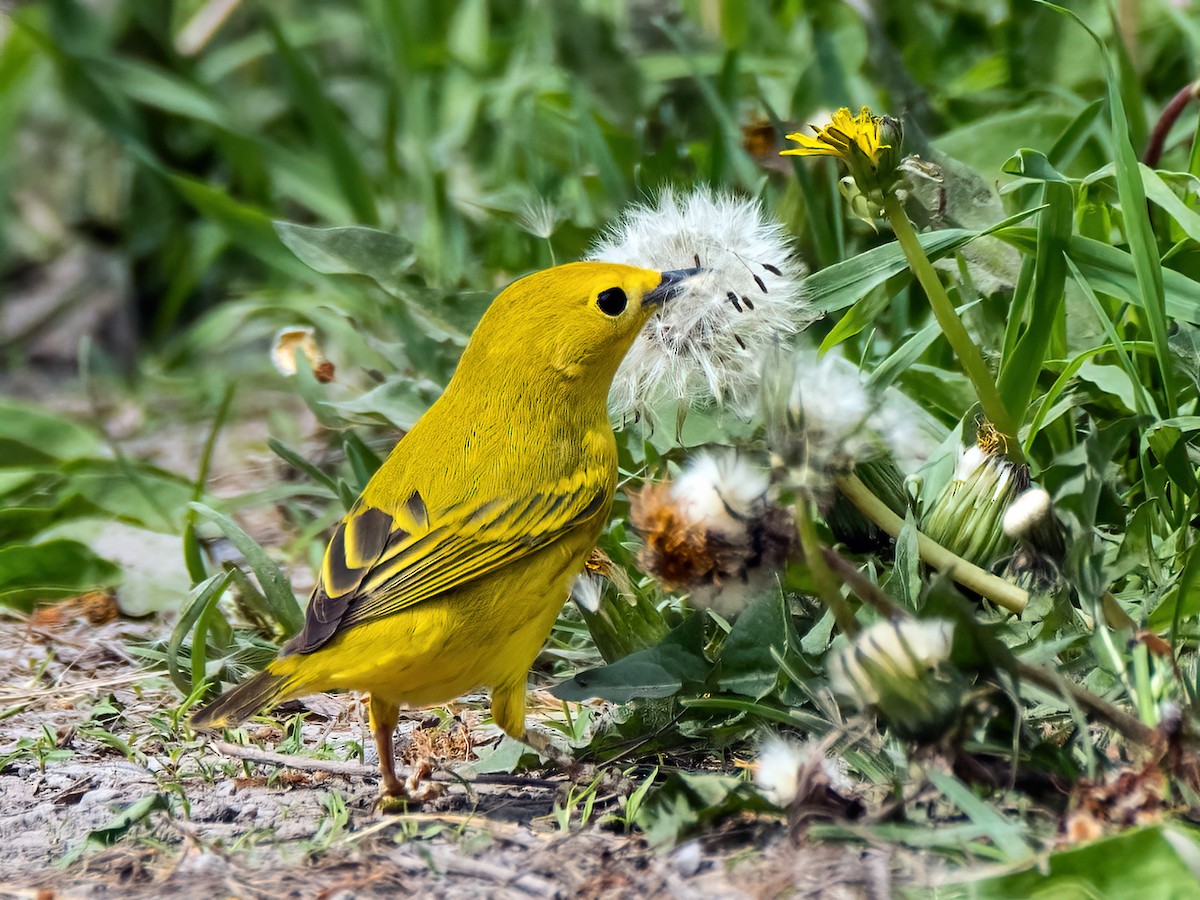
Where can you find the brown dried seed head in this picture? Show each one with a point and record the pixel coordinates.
(679, 552)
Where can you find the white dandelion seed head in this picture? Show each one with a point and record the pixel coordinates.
(779, 769)
(720, 491)
(899, 651)
(700, 347)
(587, 591)
(1026, 512)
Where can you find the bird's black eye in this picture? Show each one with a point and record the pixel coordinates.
(612, 302)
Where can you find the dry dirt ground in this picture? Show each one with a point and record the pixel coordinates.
(88, 743)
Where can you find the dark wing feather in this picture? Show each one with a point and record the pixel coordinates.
(376, 566)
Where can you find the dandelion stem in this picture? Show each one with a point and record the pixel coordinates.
(952, 327)
(999, 591)
(827, 583)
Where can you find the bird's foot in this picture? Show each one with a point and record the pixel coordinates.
(398, 795)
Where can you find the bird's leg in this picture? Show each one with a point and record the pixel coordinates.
(396, 794)
(508, 711)
(384, 717)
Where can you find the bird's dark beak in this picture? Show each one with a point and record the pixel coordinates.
(671, 285)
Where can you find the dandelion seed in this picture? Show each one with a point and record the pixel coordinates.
(538, 217)
(770, 268)
(713, 532)
(696, 351)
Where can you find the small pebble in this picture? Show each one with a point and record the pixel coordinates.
(98, 796)
(687, 859)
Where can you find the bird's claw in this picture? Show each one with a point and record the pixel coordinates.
(398, 795)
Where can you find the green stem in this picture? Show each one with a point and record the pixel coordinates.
(952, 327)
(1001, 592)
(826, 582)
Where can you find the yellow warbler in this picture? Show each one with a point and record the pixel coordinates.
(451, 568)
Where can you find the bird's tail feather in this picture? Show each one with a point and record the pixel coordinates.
(264, 689)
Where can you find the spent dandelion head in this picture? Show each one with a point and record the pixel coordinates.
(706, 344)
(822, 420)
(902, 669)
(713, 532)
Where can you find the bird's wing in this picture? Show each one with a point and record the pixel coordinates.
(380, 563)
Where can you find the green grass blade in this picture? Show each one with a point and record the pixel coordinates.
(327, 126)
(203, 597)
(1019, 371)
(276, 588)
(1138, 229)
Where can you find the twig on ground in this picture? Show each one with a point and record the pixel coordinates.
(354, 770)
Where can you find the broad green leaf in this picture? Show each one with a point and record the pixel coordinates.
(657, 672)
(747, 664)
(398, 401)
(1160, 860)
(351, 250)
(50, 571)
(32, 437)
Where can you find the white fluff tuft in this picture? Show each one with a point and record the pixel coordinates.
(700, 348)
(720, 492)
(1026, 512)
(781, 764)
(587, 591)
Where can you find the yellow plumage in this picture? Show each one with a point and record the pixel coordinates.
(450, 570)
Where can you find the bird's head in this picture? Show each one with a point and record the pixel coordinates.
(571, 324)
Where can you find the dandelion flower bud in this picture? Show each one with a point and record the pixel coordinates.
(900, 668)
(706, 345)
(713, 532)
(966, 518)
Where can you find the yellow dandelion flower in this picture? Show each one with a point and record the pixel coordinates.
(868, 144)
(839, 135)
